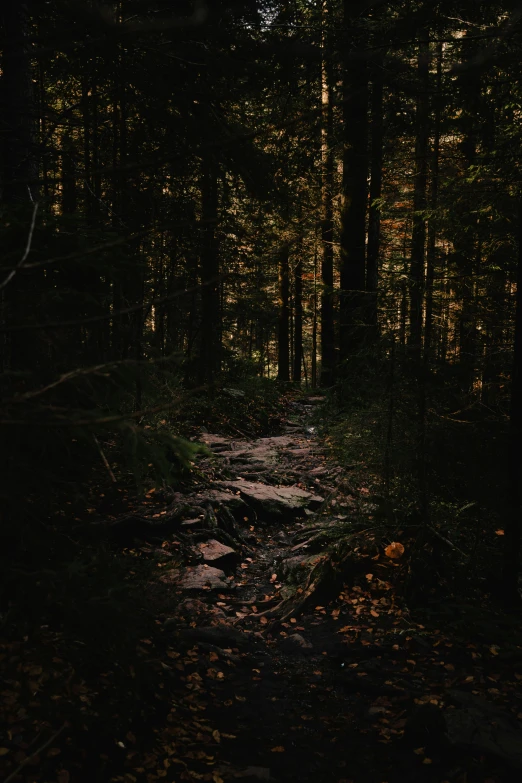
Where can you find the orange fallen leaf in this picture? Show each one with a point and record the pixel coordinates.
(216, 735)
(499, 533)
(394, 551)
(278, 749)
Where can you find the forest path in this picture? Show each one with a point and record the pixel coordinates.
(346, 689)
(273, 643)
(277, 694)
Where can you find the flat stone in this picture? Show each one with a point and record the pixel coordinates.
(218, 554)
(274, 501)
(201, 577)
(301, 452)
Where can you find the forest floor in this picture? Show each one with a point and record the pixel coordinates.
(260, 662)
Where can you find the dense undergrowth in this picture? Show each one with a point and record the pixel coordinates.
(448, 509)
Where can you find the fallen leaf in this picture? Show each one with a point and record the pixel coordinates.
(394, 551)
(499, 533)
(278, 749)
(216, 735)
(4, 751)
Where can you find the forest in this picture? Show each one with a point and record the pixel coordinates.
(260, 391)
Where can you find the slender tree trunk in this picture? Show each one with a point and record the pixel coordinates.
(513, 525)
(327, 218)
(374, 218)
(298, 319)
(210, 351)
(314, 324)
(19, 172)
(283, 335)
(354, 195)
(428, 324)
(19, 164)
(418, 237)
(434, 197)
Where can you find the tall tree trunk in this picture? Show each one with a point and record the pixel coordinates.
(283, 334)
(19, 164)
(418, 236)
(354, 194)
(434, 197)
(430, 275)
(374, 217)
(19, 172)
(513, 525)
(210, 351)
(313, 370)
(327, 194)
(298, 319)
(465, 240)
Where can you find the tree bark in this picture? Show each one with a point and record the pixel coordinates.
(283, 336)
(18, 182)
(298, 320)
(513, 525)
(418, 236)
(210, 350)
(374, 217)
(354, 195)
(327, 216)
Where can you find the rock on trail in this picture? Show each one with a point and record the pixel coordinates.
(274, 502)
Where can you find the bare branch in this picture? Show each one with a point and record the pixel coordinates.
(22, 261)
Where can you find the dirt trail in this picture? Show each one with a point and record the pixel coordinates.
(346, 689)
(276, 650)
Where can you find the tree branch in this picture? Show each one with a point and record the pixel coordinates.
(22, 261)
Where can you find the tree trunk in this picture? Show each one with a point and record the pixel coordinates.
(418, 236)
(374, 218)
(210, 350)
(18, 181)
(298, 320)
(513, 521)
(354, 195)
(327, 216)
(313, 369)
(283, 335)
(428, 324)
